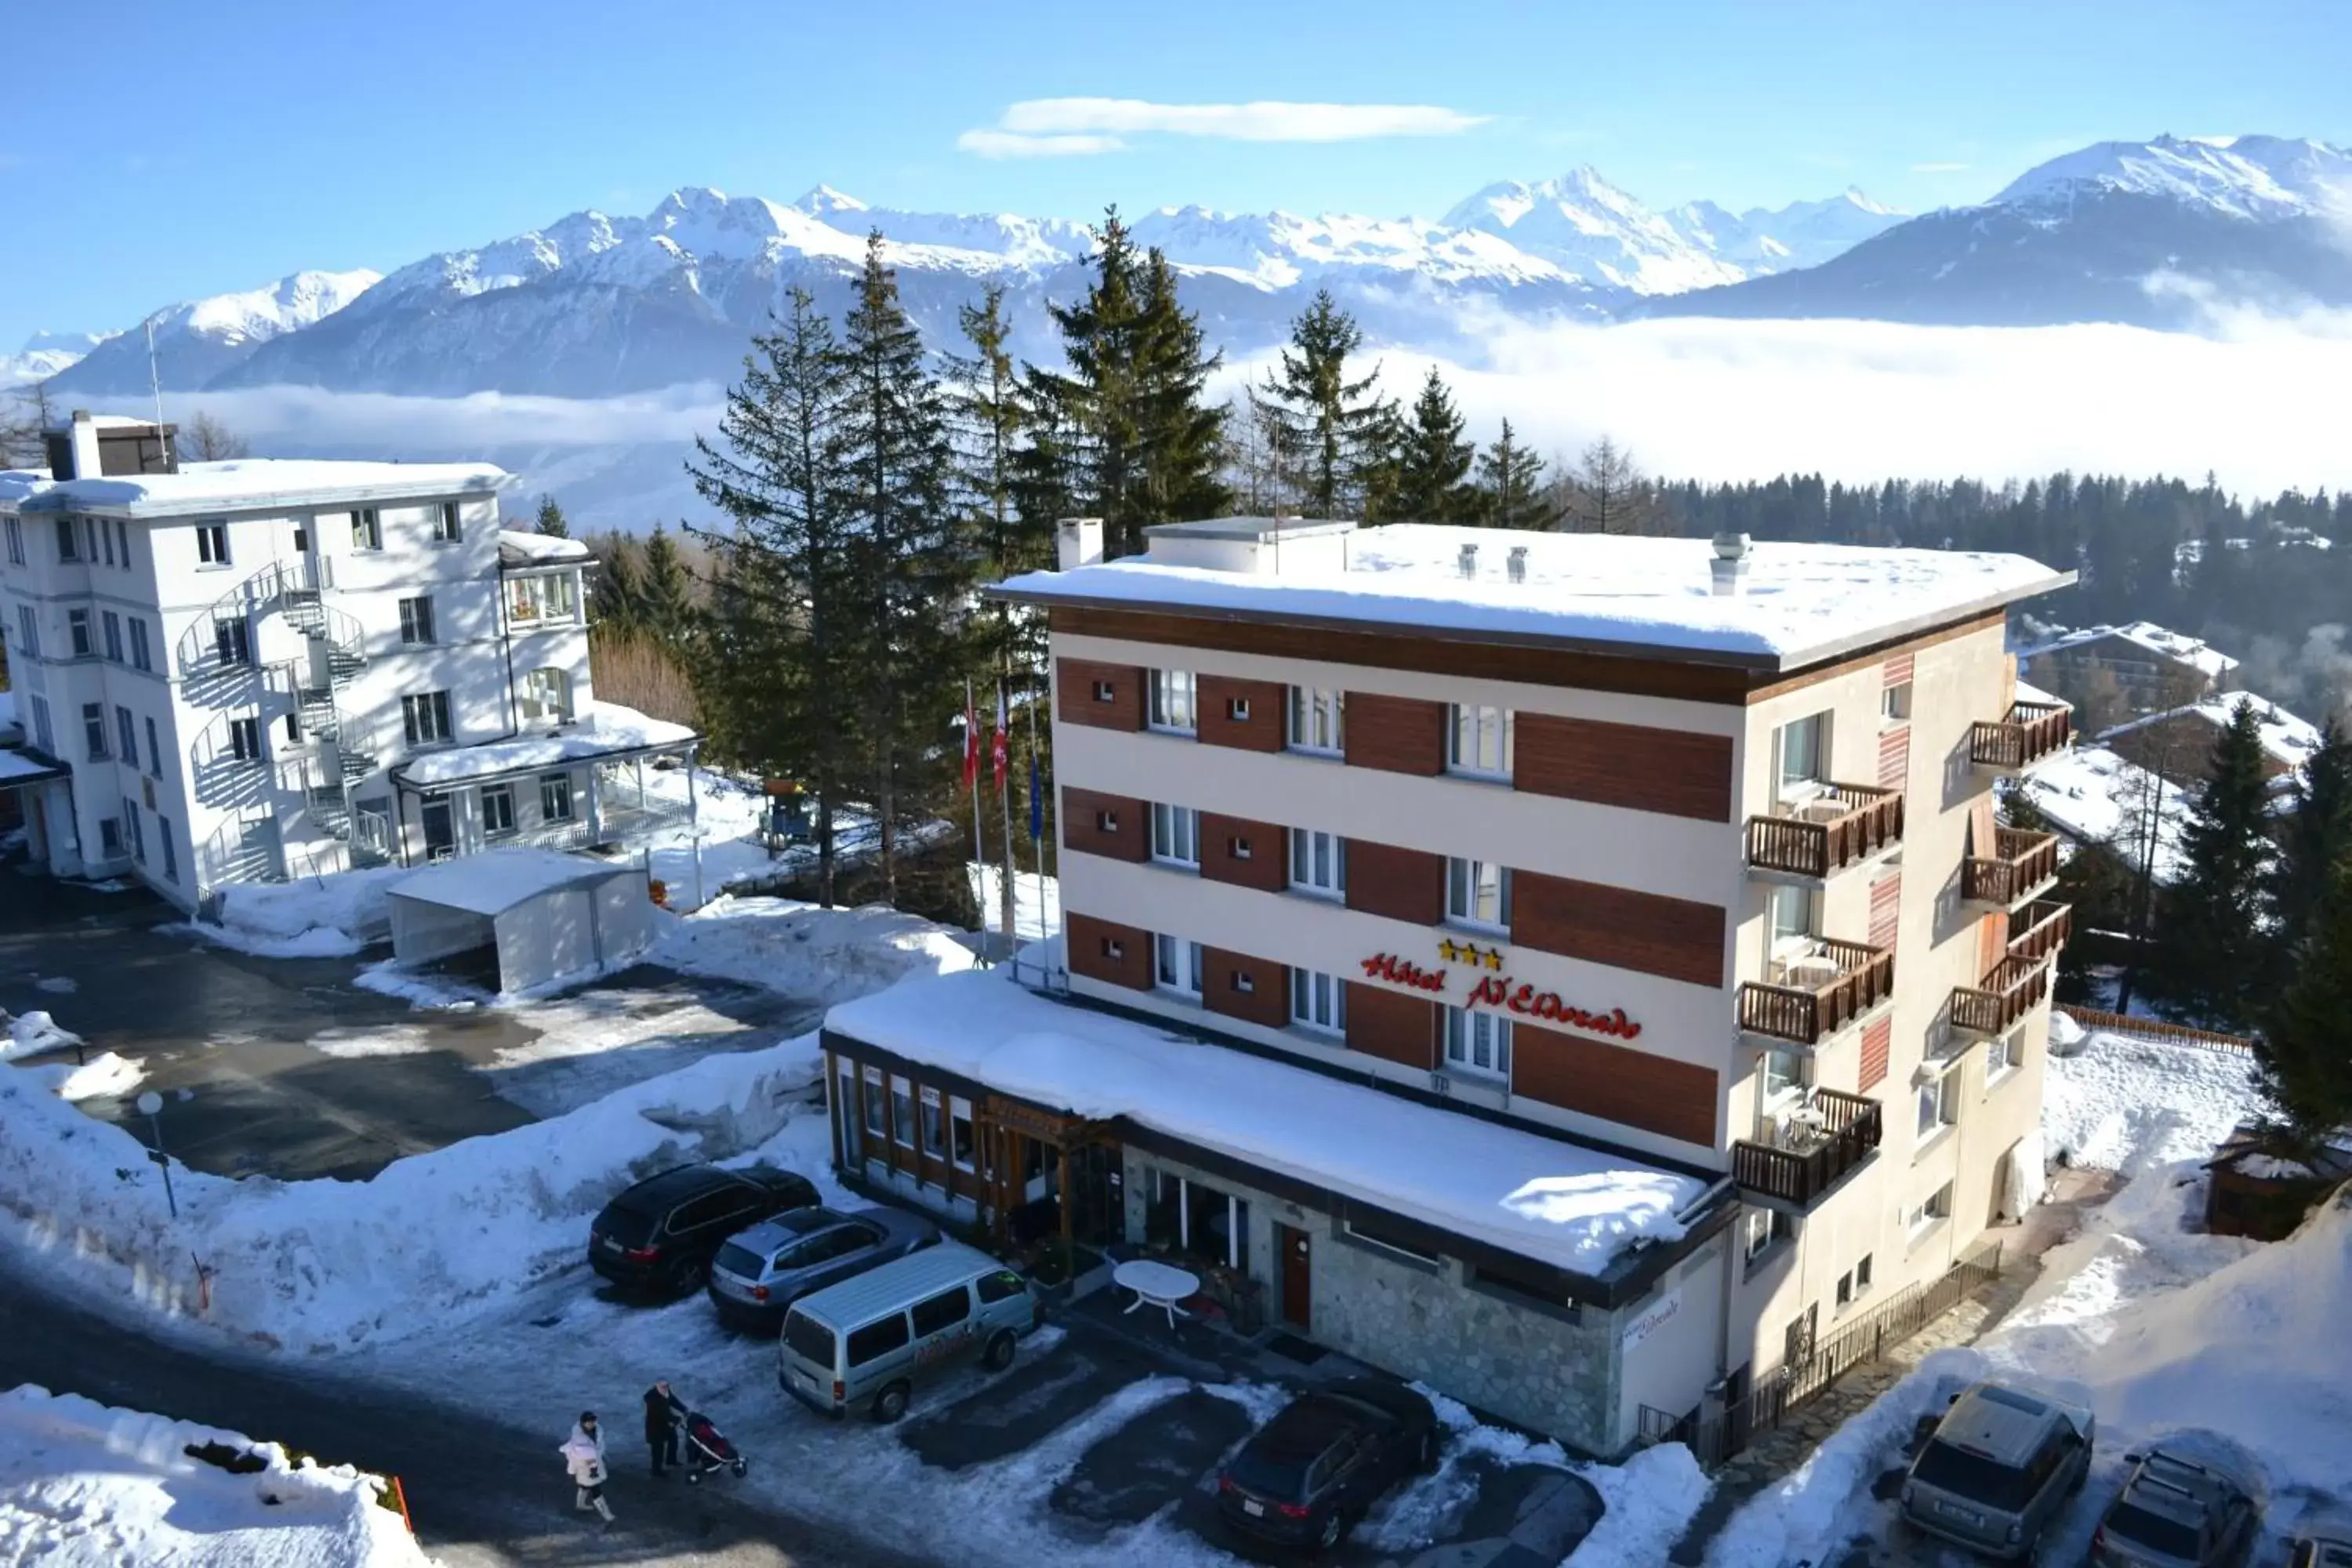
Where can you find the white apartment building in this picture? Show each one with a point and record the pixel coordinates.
(1680, 859)
(252, 670)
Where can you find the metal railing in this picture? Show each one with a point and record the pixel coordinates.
(2021, 863)
(1843, 827)
(1806, 1014)
(2027, 734)
(2005, 996)
(2039, 928)
(1805, 1162)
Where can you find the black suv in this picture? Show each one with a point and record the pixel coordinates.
(661, 1234)
(1307, 1477)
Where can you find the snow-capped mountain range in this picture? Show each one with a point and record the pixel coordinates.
(596, 304)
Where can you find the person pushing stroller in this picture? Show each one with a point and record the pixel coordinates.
(666, 1415)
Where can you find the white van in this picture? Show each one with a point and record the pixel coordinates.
(868, 1340)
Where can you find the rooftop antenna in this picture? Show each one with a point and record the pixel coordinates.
(155, 383)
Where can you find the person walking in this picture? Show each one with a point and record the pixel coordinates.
(584, 1457)
(665, 1416)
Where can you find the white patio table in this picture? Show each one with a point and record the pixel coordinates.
(1156, 1284)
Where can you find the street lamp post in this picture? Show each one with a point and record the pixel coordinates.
(150, 1106)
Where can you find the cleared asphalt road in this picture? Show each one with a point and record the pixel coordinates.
(483, 1496)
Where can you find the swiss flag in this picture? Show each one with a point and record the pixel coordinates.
(971, 741)
(997, 746)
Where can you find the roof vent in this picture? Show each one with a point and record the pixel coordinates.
(1730, 564)
(1519, 563)
(1731, 547)
(1469, 561)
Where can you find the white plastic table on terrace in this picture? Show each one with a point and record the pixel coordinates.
(1161, 1284)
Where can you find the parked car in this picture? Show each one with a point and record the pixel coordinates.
(662, 1233)
(1307, 1477)
(867, 1340)
(2175, 1513)
(760, 1273)
(2000, 1464)
(2322, 1543)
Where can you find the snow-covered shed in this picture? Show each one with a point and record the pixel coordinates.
(547, 916)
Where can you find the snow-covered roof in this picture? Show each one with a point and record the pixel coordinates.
(2092, 796)
(2287, 740)
(1561, 1203)
(246, 482)
(1796, 604)
(497, 880)
(516, 548)
(601, 729)
(2162, 641)
(2029, 692)
(24, 767)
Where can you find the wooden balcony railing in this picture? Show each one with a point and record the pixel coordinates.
(2031, 731)
(2040, 930)
(2004, 996)
(1816, 997)
(1841, 827)
(2022, 863)
(1802, 1163)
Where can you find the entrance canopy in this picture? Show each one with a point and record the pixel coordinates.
(545, 917)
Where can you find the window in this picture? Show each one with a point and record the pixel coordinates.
(154, 752)
(497, 810)
(1936, 1208)
(1106, 822)
(1862, 1276)
(1477, 1043)
(28, 631)
(1799, 746)
(15, 542)
(1784, 1077)
(1479, 893)
(1939, 1103)
(106, 541)
(1895, 703)
(68, 541)
(555, 798)
(1478, 741)
(1790, 921)
(211, 544)
(1105, 693)
(942, 1312)
(113, 637)
(1845, 1290)
(41, 736)
(244, 739)
(2003, 1057)
(1319, 863)
(93, 729)
(1237, 710)
(933, 1121)
(546, 697)
(1318, 1000)
(1315, 720)
(1764, 1227)
(902, 1112)
(416, 620)
(1001, 1286)
(875, 1126)
(139, 655)
(445, 527)
(294, 727)
(1176, 965)
(425, 718)
(1176, 834)
(77, 632)
(126, 730)
(367, 530)
(122, 539)
(1172, 701)
(233, 641)
(959, 1138)
(109, 837)
(542, 598)
(171, 852)
(137, 838)
(876, 1340)
(1242, 983)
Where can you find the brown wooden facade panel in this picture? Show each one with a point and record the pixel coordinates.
(1899, 668)
(1401, 884)
(1253, 990)
(1674, 771)
(1101, 696)
(1244, 853)
(1887, 909)
(1242, 715)
(1615, 1083)
(1894, 757)
(1115, 827)
(1877, 1044)
(1678, 939)
(1391, 1024)
(1107, 951)
(1396, 734)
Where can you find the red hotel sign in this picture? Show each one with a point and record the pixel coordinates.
(1499, 991)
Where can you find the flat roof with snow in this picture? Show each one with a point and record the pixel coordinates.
(2288, 740)
(1795, 605)
(1568, 1204)
(497, 880)
(2180, 647)
(603, 731)
(246, 482)
(516, 548)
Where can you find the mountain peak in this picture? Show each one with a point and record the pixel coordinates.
(821, 201)
(2249, 177)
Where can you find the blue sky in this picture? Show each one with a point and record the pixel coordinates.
(150, 156)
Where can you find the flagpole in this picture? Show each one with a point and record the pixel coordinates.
(971, 783)
(1001, 765)
(1036, 825)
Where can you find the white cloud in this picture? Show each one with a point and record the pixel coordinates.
(1018, 144)
(1042, 127)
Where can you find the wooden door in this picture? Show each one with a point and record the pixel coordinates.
(1297, 1303)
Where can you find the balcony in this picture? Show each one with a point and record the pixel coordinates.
(1810, 1152)
(1811, 839)
(1812, 996)
(2022, 866)
(2031, 731)
(2012, 991)
(2040, 930)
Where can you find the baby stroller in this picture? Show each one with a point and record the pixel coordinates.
(707, 1450)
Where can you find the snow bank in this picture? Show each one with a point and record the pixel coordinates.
(2125, 1104)
(104, 1075)
(31, 1034)
(1651, 1499)
(84, 1485)
(314, 917)
(824, 955)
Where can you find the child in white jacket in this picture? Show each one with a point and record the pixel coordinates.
(583, 1456)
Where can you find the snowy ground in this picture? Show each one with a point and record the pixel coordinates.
(1037, 901)
(86, 1485)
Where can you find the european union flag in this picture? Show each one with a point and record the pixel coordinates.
(1036, 801)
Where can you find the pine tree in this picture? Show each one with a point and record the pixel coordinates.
(2211, 952)
(1511, 479)
(1434, 461)
(990, 420)
(668, 604)
(1182, 434)
(2314, 840)
(1334, 434)
(774, 673)
(619, 592)
(2303, 1057)
(549, 521)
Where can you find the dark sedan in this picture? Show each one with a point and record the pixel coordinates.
(761, 1273)
(1307, 1477)
(661, 1234)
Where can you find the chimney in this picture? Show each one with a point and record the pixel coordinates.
(1729, 566)
(1469, 561)
(1077, 541)
(89, 463)
(1517, 568)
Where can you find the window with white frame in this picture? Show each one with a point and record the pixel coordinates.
(139, 655)
(445, 527)
(876, 1126)
(28, 632)
(138, 834)
(126, 730)
(367, 529)
(1478, 741)
(233, 641)
(41, 734)
(1801, 755)
(1477, 1043)
(1931, 1211)
(1172, 698)
(1940, 1102)
(171, 850)
(93, 729)
(1319, 863)
(546, 697)
(154, 752)
(15, 542)
(555, 798)
(78, 633)
(1176, 964)
(2003, 1056)
(106, 543)
(1783, 1076)
(69, 539)
(425, 716)
(902, 1111)
(112, 624)
(962, 1147)
(1790, 917)
(1318, 1000)
(122, 539)
(1479, 893)
(1318, 720)
(211, 544)
(538, 599)
(1175, 833)
(932, 1110)
(497, 810)
(416, 619)
(244, 739)
(109, 837)
(1764, 1227)
(1895, 703)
